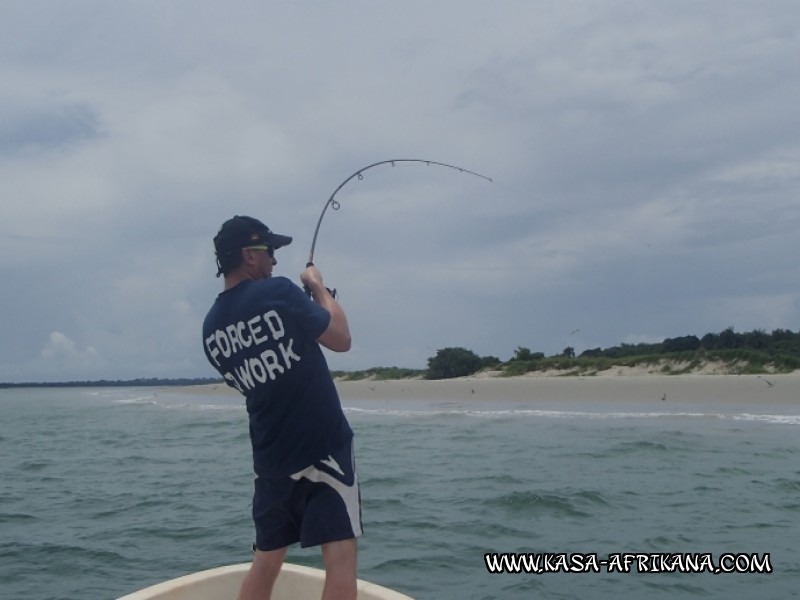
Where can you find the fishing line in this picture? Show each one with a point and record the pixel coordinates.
(334, 205)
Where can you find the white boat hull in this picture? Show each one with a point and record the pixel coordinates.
(295, 582)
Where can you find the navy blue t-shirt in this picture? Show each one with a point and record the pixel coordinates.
(261, 336)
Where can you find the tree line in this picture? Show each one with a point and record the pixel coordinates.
(781, 342)
(751, 352)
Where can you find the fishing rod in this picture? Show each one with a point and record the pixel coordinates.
(333, 204)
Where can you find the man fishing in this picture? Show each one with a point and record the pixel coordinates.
(263, 335)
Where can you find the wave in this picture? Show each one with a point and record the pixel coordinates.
(149, 400)
(779, 419)
(566, 414)
(177, 402)
(174, 403)
(192, 407)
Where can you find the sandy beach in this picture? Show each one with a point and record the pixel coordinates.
(734, 389)
(749, 390)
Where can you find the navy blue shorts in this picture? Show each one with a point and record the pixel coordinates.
(316, 505)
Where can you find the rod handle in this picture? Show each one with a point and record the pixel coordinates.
(332, 292)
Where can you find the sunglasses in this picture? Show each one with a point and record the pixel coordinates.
(268, 249)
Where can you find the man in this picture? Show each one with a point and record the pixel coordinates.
(263, 334)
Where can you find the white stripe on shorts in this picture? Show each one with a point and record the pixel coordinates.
(348, 493)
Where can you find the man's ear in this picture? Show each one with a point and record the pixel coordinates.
(248, 257)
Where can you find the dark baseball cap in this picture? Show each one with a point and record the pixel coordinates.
(241, 232)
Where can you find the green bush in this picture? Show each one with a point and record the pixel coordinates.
(453, 362)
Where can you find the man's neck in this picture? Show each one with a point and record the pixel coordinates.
(234, 279)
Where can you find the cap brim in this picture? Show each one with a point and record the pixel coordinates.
(277, 241)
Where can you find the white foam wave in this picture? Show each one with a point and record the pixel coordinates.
(779, 419)
(561, 414)
(138, 400)
(173, 403)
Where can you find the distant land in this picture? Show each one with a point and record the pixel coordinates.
(727, 352)
(150, 382)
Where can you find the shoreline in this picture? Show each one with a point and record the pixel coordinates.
(751, 390)
(669, 389)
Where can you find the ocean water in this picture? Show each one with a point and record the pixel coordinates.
(104, 491)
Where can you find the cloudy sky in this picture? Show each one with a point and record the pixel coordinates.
(646, 159)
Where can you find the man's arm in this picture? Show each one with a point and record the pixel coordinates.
(337, 336)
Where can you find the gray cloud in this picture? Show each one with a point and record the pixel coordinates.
(31, 131)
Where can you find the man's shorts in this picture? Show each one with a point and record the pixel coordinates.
(316, 505)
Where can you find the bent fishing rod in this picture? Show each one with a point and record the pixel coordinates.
(334, 204)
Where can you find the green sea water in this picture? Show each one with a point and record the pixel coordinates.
(106, 491)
